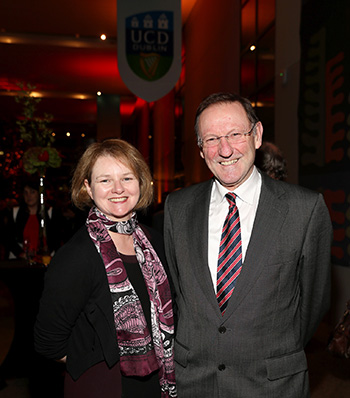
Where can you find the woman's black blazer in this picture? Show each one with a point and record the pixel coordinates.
(75, 318)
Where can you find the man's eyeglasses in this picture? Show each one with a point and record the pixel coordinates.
(232, 138)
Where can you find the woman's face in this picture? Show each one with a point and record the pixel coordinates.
(114, 188)
(31, 196)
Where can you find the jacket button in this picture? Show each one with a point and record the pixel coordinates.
(221, 367)
(222, 329)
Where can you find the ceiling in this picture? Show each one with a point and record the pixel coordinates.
(56, 47)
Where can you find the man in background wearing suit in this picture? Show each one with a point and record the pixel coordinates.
(251, 269)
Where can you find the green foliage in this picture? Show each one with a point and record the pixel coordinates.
(36, 132)
(33, 129)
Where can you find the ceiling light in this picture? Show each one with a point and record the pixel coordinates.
(99, 93)
(252, 47)
(103, 37)
(36, 94)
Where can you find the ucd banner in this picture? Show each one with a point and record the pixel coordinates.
(149, 46)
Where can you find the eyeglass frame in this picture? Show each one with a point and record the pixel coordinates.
(217, 139)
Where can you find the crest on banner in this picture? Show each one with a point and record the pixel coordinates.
(149, 46)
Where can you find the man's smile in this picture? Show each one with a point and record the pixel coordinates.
(228, 162)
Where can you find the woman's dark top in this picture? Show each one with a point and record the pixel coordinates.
(139, 386)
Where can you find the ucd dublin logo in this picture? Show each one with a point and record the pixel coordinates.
(149, 46)
(149, 43)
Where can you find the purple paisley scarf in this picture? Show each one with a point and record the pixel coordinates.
(141, 352)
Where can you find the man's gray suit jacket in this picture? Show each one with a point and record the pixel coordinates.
(257, 348)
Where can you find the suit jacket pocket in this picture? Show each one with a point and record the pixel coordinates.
(181, 354)
(287, 365)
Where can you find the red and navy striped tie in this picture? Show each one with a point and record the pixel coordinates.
(230, 254)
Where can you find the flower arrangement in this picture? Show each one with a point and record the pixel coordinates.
(37, 159)
(35, 131)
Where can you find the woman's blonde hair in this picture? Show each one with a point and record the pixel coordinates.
(121, 151)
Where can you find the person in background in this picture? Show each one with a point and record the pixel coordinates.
(269, 159)
(250, 261)
(158, 214)
(72, 217)
(106, 310)
(22, 224)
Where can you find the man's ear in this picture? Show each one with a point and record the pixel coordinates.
(258, 135)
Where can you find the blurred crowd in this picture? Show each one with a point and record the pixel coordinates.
(21, 220)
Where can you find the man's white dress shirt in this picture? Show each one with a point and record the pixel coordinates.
(247, 199)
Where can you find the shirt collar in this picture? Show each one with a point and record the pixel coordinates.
(245, 192)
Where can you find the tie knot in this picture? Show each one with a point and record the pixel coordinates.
(231, 198)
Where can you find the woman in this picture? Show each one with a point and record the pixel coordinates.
(106, 307)
(22, 224)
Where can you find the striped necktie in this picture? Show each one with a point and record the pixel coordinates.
(230, 254)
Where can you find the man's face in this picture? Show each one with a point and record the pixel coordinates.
(231, 164)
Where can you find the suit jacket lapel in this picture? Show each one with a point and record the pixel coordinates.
(269, 218)
(198, 237)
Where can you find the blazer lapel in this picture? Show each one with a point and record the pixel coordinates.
(269, 218)
(198, 237)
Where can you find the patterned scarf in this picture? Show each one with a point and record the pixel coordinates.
(140, 352)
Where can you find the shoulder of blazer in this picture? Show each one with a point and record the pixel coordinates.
(289, 193)
(79, 249)
(81, 237)
(20, 215)
(191, 194)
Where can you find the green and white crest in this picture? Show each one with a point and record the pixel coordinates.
(149, 46)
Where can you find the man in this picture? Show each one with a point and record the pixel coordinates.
(249, 341)
(269, 159)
